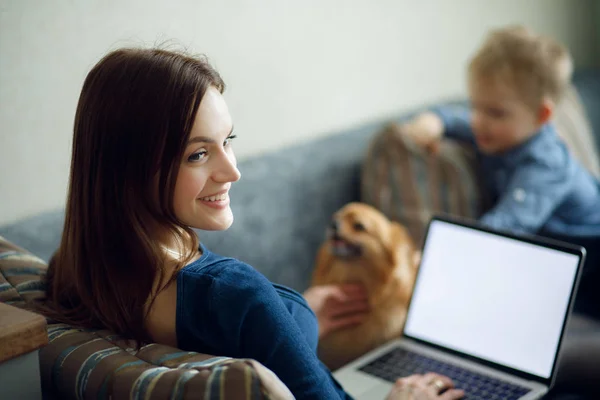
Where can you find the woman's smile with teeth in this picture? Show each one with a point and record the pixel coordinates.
(218, 197)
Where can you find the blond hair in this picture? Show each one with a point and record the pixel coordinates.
(536, 66)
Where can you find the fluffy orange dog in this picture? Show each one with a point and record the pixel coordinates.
(363, 246)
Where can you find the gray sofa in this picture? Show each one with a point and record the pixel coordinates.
(284, 201)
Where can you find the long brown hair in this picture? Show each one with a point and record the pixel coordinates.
(134, 117)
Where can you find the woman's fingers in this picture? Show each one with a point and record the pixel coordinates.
(453, 394)
(336, 294)
(412, 379)
(346, 292)
(417, 386)
(337, 306)
(336, 310)
(439, 382)
(354, 290)
(436, 384)
(344, 322)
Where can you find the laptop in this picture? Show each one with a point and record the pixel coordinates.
(489, 310)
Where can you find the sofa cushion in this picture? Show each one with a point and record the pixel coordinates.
(83, 363)
(409, 185)
(21, 275)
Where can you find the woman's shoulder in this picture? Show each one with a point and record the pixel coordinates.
(212, 268)
(215, 286)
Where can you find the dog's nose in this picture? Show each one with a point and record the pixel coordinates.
(334, 225)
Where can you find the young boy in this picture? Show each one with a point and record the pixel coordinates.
(515, 81)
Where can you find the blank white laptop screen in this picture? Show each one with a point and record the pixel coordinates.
(492, 297)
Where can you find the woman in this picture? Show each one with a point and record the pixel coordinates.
(152, 159)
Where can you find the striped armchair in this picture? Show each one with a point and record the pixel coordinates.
(97, 364)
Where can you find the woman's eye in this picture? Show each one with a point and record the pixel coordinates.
(198, 156)
(228, 141)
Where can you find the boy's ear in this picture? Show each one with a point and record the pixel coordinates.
(546, 111)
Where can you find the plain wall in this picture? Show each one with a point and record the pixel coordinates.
(294, 70)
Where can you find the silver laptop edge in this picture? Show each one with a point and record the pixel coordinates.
(366, 386)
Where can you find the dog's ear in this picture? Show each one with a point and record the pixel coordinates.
(417, 258)
(400, 246)
(394, 242)
(322, 265)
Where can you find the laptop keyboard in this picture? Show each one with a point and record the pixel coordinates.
(400, 362)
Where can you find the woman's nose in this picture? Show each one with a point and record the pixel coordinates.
(227, 170)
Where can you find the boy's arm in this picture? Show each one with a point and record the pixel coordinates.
(531, 196)
(457, 122)
(428, 128)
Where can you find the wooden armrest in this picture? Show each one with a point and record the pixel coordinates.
(21, 332)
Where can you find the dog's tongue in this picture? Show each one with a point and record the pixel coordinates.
(339, 243)
(341, 248)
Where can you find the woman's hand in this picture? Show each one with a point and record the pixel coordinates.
(337, 306)
(425, 387)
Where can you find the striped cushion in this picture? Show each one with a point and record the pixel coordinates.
(20, 275)
(409, 185)
(97, 364)
(574, 128)
(81, 363)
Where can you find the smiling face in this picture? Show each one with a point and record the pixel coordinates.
(208, 167)
(501, 120)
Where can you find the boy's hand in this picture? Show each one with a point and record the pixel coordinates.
(337, 306)
(426, 130)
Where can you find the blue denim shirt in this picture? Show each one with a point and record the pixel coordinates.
(227, 308)
(536, 187)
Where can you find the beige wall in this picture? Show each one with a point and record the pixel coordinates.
(295, 70)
